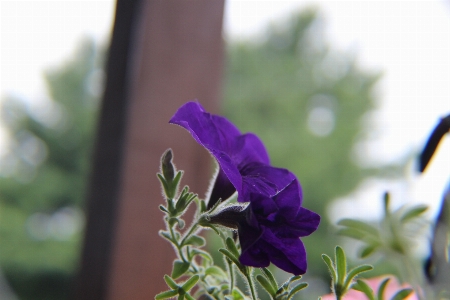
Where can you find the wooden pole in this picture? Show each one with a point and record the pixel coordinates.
(176, 56)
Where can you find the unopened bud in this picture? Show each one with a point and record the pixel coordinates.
(167, 167)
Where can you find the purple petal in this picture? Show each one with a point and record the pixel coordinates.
(288, 254)
(254, 257)
(232, 150)
(262, 206)
(289, 200)
(249, 148)
(305, 223)
(249, 234)
(263, 179)
(222, 189)
(215, 133)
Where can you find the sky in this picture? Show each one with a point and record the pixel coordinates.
(409, 41)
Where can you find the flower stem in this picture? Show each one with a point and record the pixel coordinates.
(230, 268)
(248, 275)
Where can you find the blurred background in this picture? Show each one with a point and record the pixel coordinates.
(342, 93)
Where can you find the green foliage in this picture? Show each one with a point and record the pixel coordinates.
(307, 102)
(341, 279)
(212, 281)
(45, 172)
(394, 236)
(367, 290)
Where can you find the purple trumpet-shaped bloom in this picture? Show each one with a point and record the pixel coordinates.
(242, 158)
(272, 228)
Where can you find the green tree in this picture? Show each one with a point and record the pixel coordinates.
(44, 177)
(306, 101)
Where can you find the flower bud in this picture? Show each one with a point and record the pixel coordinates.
(228, 216)
(166, 165)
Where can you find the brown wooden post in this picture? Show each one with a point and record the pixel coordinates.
(177, 56)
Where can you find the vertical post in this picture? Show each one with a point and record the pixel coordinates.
(176, 55)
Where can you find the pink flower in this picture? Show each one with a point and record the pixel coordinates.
(392, 287)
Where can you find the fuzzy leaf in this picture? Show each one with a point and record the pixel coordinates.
(230, 256)
(165, 185)
(163, 209)
(402, 294)
(231, 245)
(355, 272)
(365, 288)
(202, 253)
(357, 235)
(172, 284)
(189, 284)
(296, 289)
(179, 268)
(216, 272)
(265, 283)
(341, 265)
(330, 266)
(165, 235)
(189, 297)
(360, 226)
(195, 240)
(367, 251)
(413, 213)
(382, 288)
(270, 277)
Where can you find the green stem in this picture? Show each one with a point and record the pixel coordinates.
(250, 283)
(174, 238)
(230, 268)
(189, 233)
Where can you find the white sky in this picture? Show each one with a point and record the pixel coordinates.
(408, 40)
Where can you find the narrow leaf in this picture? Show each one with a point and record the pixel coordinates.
(189, 284)
(165, 185)
(382, 288)
(264, 282)
(166, 294)
(231, 245)
(413, 213)
(270, 277)
(402, 294)
(202, 253)
(341, 265)
(357, 234)
(330, 266)
(177, 179)
(359, 225)
(163, 209)
(237, 294)
(172, 284)
(166, 235)
(195, 240)
(179, 268)
(295, 278)
(216, 272)
(355, 272)
(365, 288)
(367, 251)
(189, 297)
(296, 289)
(233, 258)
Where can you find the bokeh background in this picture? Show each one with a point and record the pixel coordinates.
(343, 93)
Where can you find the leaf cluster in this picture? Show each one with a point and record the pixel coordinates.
(341, 278)
(391, 235)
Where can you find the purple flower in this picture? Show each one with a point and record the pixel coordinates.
(243, 159)
(272, 228)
